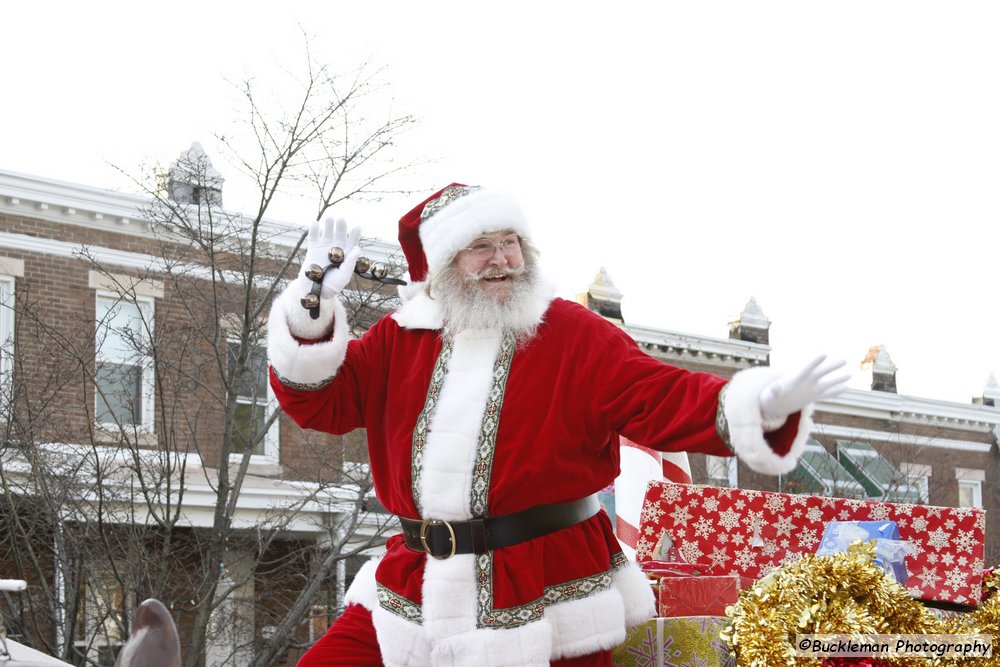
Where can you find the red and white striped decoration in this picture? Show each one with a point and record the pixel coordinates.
(639, 465)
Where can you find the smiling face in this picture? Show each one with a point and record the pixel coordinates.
(493, 262)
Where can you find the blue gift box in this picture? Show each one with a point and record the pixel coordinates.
(890, 548)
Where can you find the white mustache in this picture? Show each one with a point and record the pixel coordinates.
(496, 273)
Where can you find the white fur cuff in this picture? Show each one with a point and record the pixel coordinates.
(311, 364)
(741, 408)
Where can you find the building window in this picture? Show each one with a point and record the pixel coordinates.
(917, 475)
(6, 338)
(721, 470)
(970, 493)
(970, 486)
(123, 363)
(254, 404)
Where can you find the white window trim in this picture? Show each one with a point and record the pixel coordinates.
(146, 305)
(272, 443)
(731, 467)
(7, 287)
(977, 491)
(918, 474)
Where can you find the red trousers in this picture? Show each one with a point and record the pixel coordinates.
(350, 642)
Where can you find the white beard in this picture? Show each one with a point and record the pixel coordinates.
(466, 305)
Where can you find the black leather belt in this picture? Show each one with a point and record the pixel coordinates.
(443, 539)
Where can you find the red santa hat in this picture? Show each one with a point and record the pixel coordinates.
(437, 228)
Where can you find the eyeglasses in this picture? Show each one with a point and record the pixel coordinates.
(485, 248)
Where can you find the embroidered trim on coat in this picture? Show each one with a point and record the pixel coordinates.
(302, 386)
(488, 431)
(424, 420)
(721, 423)
(398, 605)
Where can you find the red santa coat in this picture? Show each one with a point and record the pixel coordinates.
(479, 426)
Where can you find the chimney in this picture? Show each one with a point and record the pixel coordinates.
(751, 325)
(991, 393)
(192, 179)
(603, 297)
(879, 365)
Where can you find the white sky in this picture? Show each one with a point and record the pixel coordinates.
(839, 161)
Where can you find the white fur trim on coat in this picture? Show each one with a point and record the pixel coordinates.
(362, 590)
(310, 364)
(746, 426)
(454, 226)
(633, 585)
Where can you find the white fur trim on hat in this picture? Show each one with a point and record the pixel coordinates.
(452, 228)
(746, 426)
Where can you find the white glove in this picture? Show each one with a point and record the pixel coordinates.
(328, 234)
(791, 393)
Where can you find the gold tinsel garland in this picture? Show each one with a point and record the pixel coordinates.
(843, 594)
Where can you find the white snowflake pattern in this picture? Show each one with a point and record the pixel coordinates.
(814, 514)
(729, 519)
(722, 538)
(784, 526)
(797, 513)
(753, 519)
(651, 513)
(980, 521)
(745, 558)
(965, 540)
(879, 512)
(918, 547)
(929, 578)
(692, 552)
(919, 524)
(752, 494)
(785, 544)
(775, 503)
(962, 513)
(904, 509)
(681, 515)
(808, 539)
(710, 505)
(770, 547)
(643, 546)
(738, 538)
(947, 558)
(938, 539)
(703, 527)
(962, 561)
(790, 556)
(933, 511)
(956, 579)
(902, 522)
(844, 515)
(719, 557)
(949, 524)
(932, 558)
(796, 500)
(648, 530)
(740, 504)
(671, 492)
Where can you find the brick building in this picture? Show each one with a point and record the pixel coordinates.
(87, 274)
(874, 444)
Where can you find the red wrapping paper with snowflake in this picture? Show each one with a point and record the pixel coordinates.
(749, 533)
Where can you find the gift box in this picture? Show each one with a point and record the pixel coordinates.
(890, 549)
(749, 533)
(666, 642)
(705, 595)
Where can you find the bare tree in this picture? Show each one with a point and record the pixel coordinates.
(136, 429)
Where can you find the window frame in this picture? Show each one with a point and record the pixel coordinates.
(8, 287)
(147, 309)
(732, 480)
(271, 442)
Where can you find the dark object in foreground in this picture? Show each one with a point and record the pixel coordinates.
(154, 641)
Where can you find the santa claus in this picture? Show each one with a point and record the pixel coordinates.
(493, 411)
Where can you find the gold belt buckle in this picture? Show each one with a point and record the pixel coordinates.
(423, 537)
